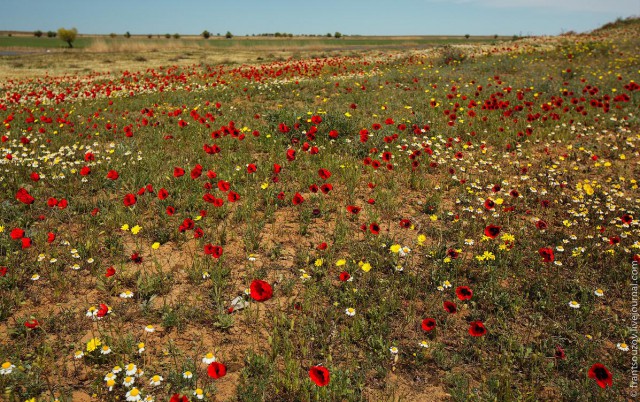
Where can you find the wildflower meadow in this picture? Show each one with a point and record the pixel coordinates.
(455, 223)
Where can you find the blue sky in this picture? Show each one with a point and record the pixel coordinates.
(351, 17)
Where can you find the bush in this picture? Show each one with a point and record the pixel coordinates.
(51, 34)
(127, 35)
(228, 35)
(337, 35)
(206, 34)
(68, 35)
(176, 36)
(37, 33)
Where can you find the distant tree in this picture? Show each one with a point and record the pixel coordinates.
(168, 36)
(495, 36)
(329, 35)
(51, 34)
(228, 35)
(206, 34)
(176, 36)
(68, 35)
(127, 35)
(337, 35)
(37, 33)
(112, 35)
(278, 34)
(149, 36)
(467, 36)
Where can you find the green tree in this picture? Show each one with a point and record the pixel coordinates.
(228, 35)
(329, 35)
(176, 36)
(127, 34)
(51, 34)
(337, 35)
(467, 36)
(68, 35)
(37, 33)
(206, 34)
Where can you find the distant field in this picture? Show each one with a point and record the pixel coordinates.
(248, 42)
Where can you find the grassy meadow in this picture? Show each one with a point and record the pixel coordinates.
(388, 222)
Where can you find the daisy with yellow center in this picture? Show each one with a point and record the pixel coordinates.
(6, 368)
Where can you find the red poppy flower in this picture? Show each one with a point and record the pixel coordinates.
(277, 168)
(171, 210)
(216, 370)
(613, 240)
(198, 233)
(428, 324)
(163, 194)
(85, 171)
(51, 237)
(110, 272)
(313, 188)
(464, 292)
(32, 324)
(297, 199)
(322, 246)
(26, 242)
(103, 310)
(405, 223)
(489, 204)
(178, 398)
(178, 172)
(514, 193)
(344, 276)
(95, 211)
(547, 254)
(35, 176)
(353, 209)
(251, 168)
(223, 186)
(214, 251)
(626, 218)
(233, 196)
(24, 197)
(452, 253)
(492, 231)
(374, 228)
(476, 328)
(137, 258)
(326, 188)
(324, 174)
(602, 376)
(17, 234)
(62, 204)
(450, 307)
(129, 200)
(291, 155)
(196, 172)
(559, 354)
(542, 225)
(112, 175)
(319, 375)
(52, 202)
(3, 271)
(260, 290)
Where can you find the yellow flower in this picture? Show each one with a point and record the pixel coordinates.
(155, 246)
(341, 262)
(366, 267)
(136, 229)
(421, 239)
(1, 229)
(395, 248)
(93, 344)
(264, 186)
(433, 218)
(347, 114)
(124, 227)
(319, 262)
